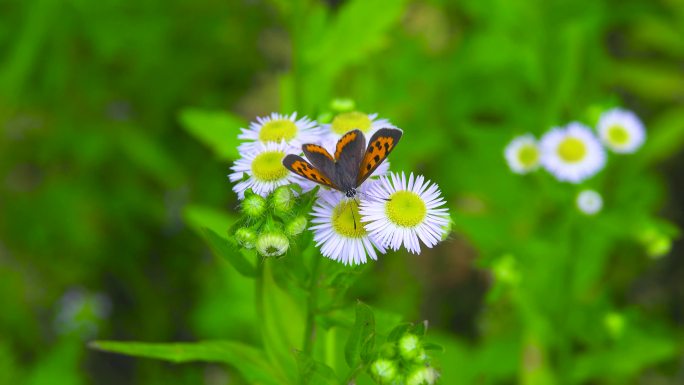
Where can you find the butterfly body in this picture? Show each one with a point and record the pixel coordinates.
(352, 163)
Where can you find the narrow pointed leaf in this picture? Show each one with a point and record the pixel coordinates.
(248, 360)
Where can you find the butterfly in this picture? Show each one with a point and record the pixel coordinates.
(352, 164)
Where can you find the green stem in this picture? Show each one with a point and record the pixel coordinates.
(259, 289)
(565, 355)
(312, 304)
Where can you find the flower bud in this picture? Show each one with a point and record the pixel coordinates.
(506, 270)
(342, 105)
(272, 244)
(254, 205)
(659, 246)
(383, 371)
(282, 199)
(296, 226)
(422, 375)
(656, 243)
(614, 324)
(409, 346)
(246, 237)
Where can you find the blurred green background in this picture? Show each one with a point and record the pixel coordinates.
(119, 121)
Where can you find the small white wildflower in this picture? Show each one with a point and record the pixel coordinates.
(402, 212)
(522, 154)
(278, 128)
(589, 202)
(572, 153)
(264, 168)
(339, 232)
(621, 130)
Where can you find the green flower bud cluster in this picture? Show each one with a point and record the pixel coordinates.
(270, 225)
(403, 359)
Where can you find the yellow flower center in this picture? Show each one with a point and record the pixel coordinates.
(268, 166)
(618, 135)
(572, 150)
(277, 130)
(528, 155)
(405, 209)
(348, 121)
(346, 220)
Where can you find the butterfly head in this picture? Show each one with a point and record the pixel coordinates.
(350, 193)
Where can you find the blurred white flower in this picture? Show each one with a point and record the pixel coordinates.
(522, 154)
(589, 202)
(401, 211)
(81, 312)
(572, 153)
(621, 130)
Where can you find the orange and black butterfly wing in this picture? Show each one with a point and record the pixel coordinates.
(380, 146)
(348, 155)
(320, 158)
(299, 166)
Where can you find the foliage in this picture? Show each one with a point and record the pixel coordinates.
(119, 121)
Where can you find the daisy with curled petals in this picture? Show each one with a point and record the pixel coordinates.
(277, 128)
(264, 168)
(347, 121)
(402, 212)
(621, 131)
(522, 154)
(572, 153)
(339, 232)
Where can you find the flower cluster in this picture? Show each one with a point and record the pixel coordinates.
(403, 359)
(390, 211)
(574, 153)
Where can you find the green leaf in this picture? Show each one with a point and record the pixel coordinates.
(346, 41)
(199, 217)
(665, 136)
(218, 130)
(357, 29)
(635, 351)
(314, 372)
(398, 331)
(433, 346)
(248, 360)
(149, 155)
(362, 336)
(282, 315)
(419, 329)
(229, 251)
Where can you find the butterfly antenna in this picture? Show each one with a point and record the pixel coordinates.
(373, 197)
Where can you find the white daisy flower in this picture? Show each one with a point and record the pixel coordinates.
(347, 121)
(339, 232)
(589, 202)
(402, 212)
(621, 131)
(264, 168)
(572, 153)
(277, 128)
(522, 154)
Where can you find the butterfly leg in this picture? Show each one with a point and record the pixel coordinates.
(353, 216)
